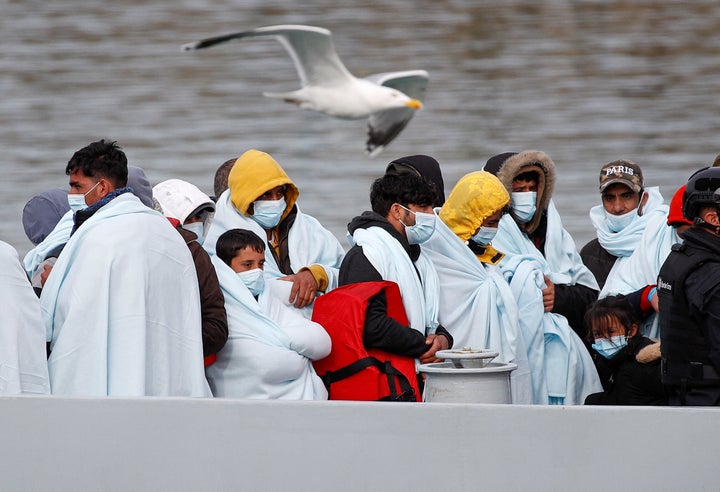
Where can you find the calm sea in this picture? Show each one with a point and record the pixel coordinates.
(587, 82)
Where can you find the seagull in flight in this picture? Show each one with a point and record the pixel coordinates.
(388, 100)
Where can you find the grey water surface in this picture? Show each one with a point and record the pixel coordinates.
(587, 82)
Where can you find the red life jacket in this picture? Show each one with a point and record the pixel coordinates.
(352, 372)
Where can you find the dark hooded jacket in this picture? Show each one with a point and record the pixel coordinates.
(422, 165)
(212, 301)
(381, 331)
(571, 301)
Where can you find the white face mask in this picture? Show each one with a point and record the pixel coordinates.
(609, 347)
(617, 223)
(485, 235)
(423, 228)
(198, 228)
(523, 205)
(77, 200)
(267, 213)
(254, 280)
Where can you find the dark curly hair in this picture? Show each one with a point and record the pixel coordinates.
(404, 189)
(101, 159)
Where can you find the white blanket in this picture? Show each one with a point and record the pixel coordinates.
(623, 243)
(122, 308)
(270, 346)
(562, 263)
(57, 238)
(420, 295)
(642, 267)
(477, 307)
(23, 365)
(309, 243)
(568, 374)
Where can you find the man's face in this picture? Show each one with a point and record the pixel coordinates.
(619, 199)
(247, 259)
(81, 184)
(523, 185)
(493, 220)
(270, 195)
(409, 216)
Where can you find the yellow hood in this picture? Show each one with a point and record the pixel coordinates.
(476, 196)
(253, 174)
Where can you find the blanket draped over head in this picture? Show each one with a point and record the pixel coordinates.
(420, 294)
(122, 308)
(270, 346)
(477, 307)
(563, 371)
(309, 243)
(23, 364)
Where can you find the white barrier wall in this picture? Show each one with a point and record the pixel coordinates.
(218, 445)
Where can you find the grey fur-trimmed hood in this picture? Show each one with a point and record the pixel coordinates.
(508, 165)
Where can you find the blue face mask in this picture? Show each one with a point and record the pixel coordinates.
(423, 228)
(254, 280)
(523, 205)
(485, 235)
(617, 223)
(77, 200)
(609, 347)
(267, 213)
(198, 228)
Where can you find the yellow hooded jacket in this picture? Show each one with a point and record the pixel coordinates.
(475, 197)
(255, 173)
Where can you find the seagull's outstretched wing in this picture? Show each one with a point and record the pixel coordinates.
(383, 127)
(310, 47)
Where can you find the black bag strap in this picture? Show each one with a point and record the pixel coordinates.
(406, 390)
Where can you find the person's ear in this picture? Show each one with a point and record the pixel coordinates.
(633, 330)
(711, 217)
(643, 201)
(396, 211)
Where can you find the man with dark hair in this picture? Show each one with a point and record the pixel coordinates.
(220, 184)
(121, 305)
(387, 247)
(688, 288)
(534, 228)
(620, 221)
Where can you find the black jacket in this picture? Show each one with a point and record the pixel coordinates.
(381, 331)
(598, 260)
(628, 381)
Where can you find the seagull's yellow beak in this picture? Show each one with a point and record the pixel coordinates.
(414, 104)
